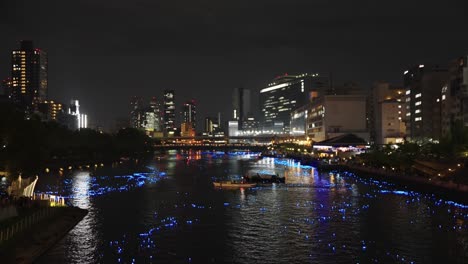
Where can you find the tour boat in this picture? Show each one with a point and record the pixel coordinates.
(231, 184)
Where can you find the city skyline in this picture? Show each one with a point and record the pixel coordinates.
(202, 62)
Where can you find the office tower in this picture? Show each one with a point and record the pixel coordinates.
(287, 93)
(28, 76)
(169, 113)
(423, 85)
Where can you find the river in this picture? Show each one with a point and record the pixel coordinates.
(166, 211)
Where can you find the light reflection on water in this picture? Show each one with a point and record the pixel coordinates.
(84, 236)
(315, 218)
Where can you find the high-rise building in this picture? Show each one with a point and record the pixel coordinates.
(423, 85)
(241, 105)
(190, 113)
(169, 113)
(285, 94)
(136, 115)
(155, 106)
(188, 119)
(454, 96)
(387, 108)
(29, 76)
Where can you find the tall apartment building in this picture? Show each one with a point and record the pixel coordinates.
(169, 113)
(29, 82)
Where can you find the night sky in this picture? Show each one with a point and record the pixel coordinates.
(103, 52)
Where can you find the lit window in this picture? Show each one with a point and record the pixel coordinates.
(418, 119)
(443, 97)
(417, 95)
(408, 92)
(417, 111)
(418, 103)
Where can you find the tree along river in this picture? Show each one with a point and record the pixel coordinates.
(166, 210)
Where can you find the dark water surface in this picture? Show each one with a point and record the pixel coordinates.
(173, 215)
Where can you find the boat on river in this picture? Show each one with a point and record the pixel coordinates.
(233, 184)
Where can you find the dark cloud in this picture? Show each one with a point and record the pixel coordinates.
(102, 52)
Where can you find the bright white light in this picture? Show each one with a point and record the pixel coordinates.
(274, 87)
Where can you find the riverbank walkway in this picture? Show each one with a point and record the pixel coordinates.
(31, 243)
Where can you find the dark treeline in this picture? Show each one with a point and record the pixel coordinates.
(29, 145)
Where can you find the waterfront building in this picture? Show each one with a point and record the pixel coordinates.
(387, 108)
(335, 115)
(298, 124)
(169, 113)
(454, 96)
(29, 82)
(423, 85)
(285, 94)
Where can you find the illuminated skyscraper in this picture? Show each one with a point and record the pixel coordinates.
(287, 93)
(29, 76)
(169, 113)
(190, 112)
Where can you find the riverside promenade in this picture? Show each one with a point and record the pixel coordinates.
(34, 241)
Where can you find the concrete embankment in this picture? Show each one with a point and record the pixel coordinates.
(32, 243)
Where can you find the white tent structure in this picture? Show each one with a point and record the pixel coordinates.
(22, 187)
